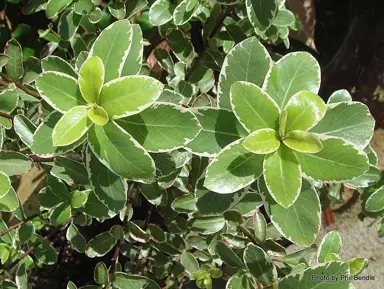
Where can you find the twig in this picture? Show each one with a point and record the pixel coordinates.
(249, 235)
(19, 85)
(38, 159)
(15, 226)
(6, 115)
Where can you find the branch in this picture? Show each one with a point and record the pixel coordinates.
(249, 235)
(15, 226)
(19, 85)
(6, 115)
(38, 159)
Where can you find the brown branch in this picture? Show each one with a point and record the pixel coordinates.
(19, 85)
(38, 159)
(6, 115)
(17, 225)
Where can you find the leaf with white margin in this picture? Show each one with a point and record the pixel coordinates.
(161, 12)
(338, 161)
(5, 184)
(304, 110)
(112, 46)
(120, 152)
(208, 225)
(59, 90)
(24, 129)
(375, 202)
(8, 100)
(91, 79)
(100, 245)
(282, 175)
(134, 59)
(290, 74)
(331, 244)
(372, 155)
(14, 163)
(351, 121)
(220, 127)
(260, 265)
(247, 61)
(57, 64)
(9, 202)
(303, 141)
(262, 141)
(129, 95)
(253, 107)
(71, 126)
(233, 169)
(228, 256)
(300, 223)
(98, 115)
(261, 13)
(42, 144)
(369, 178)
(341, 95)
(306, 279)
(184, 11)
(239, 281)
(162, 127)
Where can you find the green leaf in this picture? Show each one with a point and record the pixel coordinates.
(112, 46)
(5, 184)
(125, 281)
(109, 188)
(351, 121)
(220, 127)
(129, 95)
(369, 178)
(59, 90)
(14, 66)
(375, 202)
(76, 239)
(300, 223)
(238, 280)
(137, 233)
(45, 253)
(60, 214)
(304, 110)
(228, 256)
(98, 115)
(54, 7)
(133, 62)
(22, 277)
(253, 107)
(24, 129)
(161, 12)
(84, 6)
(372, 155)
(32, 69)
(261, 12)
(262, 141)
(71, 285)
(13, 163)
(70, 171)
(331, 244)
(78, 199)
(184, 204)
(284, 18)
(189, 262)
(233, 169)
(55, 193)
(100, 245)
(25, 232)
(118, 151)
(167, 127)
(135, 6)
(71, 127)
(292, 73)
(8, 100)
(247, 61)
(307, 280)
(157, 234)
(211, 203)
(208, 225)
(42, 144)
(341, 95)
(68, 24)
(3, 59)
(95, 208)
(184, 11)
(181, 46)
(91, 79)
(357, 265)
(302, 141)
(9, 202)
(101, 274)
(337, 161)
(282, 176)
(95, 15)
(57, 64)
(6, 123)
(260, 264)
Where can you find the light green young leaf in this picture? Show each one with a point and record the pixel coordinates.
(247, 61)
(261, 13)
(233, 169)
(129, 95)
(14, 66)
(59, 90)
(260, 265)
(76, 238)
(337, 161)
(338, 96)
(101, 274)
(292, 73)
(302, 141)
(24, 129)
(118, 151)
(54, 7)
(134, 59)
(109, 188)
(189, 262)
(375, 202)
(100, 245)
(228, 256)
(208, 225)
(253, 107)
(112, 46)
(5, 184)
(161, 12)
(8, 100)
(284, 18)
(167, 127)
(331, 244)
(282, 175)
(57, 64)
(262, 141)
(98, 115)
(91, 79)
(72, 126)
(184, 11)
(220, 127)
(13, 163)
(357, 265)
(351, 121)
(304, 110)
(300, 223)
(78, 199)
(60, 214)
